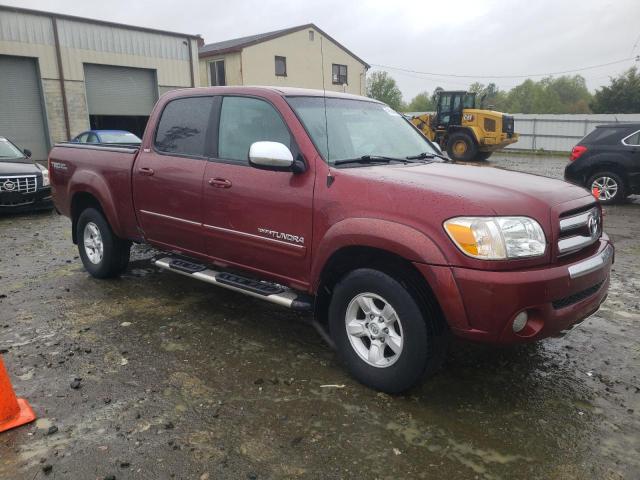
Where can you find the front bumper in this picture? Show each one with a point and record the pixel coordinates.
(481, 305)
(20, 202)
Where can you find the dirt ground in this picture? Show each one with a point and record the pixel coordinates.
(179, 379)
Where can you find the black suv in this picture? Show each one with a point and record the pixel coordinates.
(607, 162)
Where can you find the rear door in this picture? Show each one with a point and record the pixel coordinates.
(168, 174)
(632, 144)
(255, 219)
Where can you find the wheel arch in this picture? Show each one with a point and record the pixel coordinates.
(604, 166)
(387, 246)
(468, 130)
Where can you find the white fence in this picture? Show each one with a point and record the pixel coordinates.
(560, 133)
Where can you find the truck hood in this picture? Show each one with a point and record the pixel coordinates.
(484, 190)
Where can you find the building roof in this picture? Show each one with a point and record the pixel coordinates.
(237, 44)
(95, 21)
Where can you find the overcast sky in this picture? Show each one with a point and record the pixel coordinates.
(468, 37)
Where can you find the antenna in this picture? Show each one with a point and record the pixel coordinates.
(324, 96)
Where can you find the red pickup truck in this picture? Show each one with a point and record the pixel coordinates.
(336, 204)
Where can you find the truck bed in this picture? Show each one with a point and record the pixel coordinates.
(101, 170)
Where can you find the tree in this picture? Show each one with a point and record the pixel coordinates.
(622, 96)
(421, 103)
(565, 94)
(381, 86)
(434, 96)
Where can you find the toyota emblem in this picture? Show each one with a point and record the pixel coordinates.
(9, 185)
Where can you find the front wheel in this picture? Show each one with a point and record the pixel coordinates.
(380, 332)
(609, 185)
(461, 147)
(103, 254)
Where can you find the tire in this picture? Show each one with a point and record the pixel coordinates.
(611, 186)
(416, 349)
(482, 156)
(461, 147)
(109, 255)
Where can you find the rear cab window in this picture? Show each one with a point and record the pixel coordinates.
(184, 127)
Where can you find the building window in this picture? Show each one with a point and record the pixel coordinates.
(217, 73)
(339, 74)
(281, 66)
(311, 35)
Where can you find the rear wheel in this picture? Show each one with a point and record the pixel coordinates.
(461, 147)
(103, 254)
(610, 187)
(380, 331)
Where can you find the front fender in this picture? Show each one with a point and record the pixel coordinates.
(86, 181)
(402, 240)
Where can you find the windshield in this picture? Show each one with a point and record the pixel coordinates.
(358, 128)
(119, 137)
(470, 100)
(8, 151)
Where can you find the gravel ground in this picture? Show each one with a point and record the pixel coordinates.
(178, 379)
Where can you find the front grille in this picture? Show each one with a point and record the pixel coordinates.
(507, 124)
(21, 183)
(576, 297)
(579, 229)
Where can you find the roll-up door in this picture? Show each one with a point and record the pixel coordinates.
(21, 113)
(119, 90)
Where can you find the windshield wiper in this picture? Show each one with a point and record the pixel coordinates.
(369, 159)
(425, 155)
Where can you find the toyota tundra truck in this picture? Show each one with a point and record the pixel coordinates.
(336, 205)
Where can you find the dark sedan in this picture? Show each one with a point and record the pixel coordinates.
(24, 184)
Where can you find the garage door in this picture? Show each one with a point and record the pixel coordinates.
(21, 112)
(120, 91)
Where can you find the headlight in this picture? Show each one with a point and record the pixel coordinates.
(497, 238)
(45, 176)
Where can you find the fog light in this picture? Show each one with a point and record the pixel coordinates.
(520, 321)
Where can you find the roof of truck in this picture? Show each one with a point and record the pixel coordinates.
(284, 91)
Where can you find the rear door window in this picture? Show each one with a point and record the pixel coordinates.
(633, 139)
(245, 120)
(184, 127)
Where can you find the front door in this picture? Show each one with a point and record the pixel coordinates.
(167, 176)
(254, 219)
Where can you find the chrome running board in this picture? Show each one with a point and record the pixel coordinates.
(271, 292)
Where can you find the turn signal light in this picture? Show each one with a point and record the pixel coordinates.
(577, 152)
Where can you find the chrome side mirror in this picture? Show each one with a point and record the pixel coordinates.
(270, 156)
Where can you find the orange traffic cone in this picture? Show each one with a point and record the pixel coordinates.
(13, 411)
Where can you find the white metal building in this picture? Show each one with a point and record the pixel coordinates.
(60, 75)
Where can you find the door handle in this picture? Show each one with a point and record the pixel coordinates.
(220, 182)
(146, 171)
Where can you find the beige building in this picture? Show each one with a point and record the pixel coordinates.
(295, 57)
(60, 75)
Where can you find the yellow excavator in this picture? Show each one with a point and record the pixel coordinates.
(467, 133)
